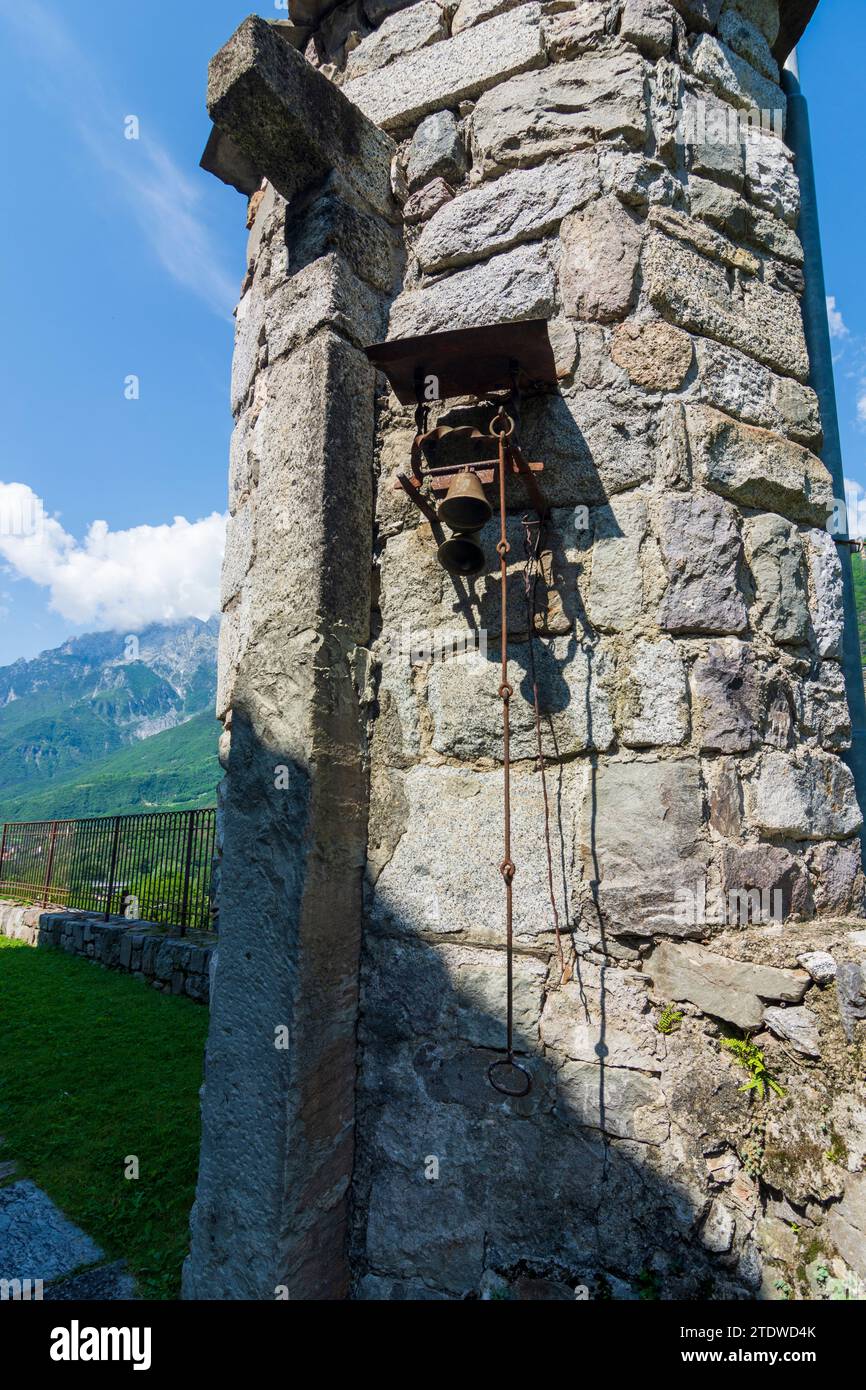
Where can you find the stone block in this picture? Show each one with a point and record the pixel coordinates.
(328, 222)
(570, 106)
(652, 697)
(427, 201)
(603, 1016)
(400, 33)
(324, 295)
(738, 385)
(708, 132)
(518, 284)
(771, 181)
(846, 1223)
(820, 965)
(807, 797)
(600, 256)
(480, 986)
(695, 293)
(699, 14)
(717, 1232)
(225, 161)
(452, 71)
(725, 697)
(432, 1228)
(656, 355)
(733, 990)
(838, 878)
(459, 896)
(757, 468)
(622, 1103)
(576, 29)
(649, 25)
(436, 151)
(821, 706)
(747, 40)
(764, 14)
(798, 1026)
(774, 553)
(467, 713)
(736, 80)
(701, 551)
(301, 459)
(291, 122)
(239, 552)
(825, 573)
(760, 881)
(521, 206)
(615, 591)
(641, 841)
(770, 234)
(593, 445)
(470, 12)
(468, 1003)
(722, 207)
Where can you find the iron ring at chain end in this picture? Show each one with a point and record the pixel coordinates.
(505, 433)
(510, 1063)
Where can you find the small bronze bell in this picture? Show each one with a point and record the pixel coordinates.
(465, 508)
(461, 555)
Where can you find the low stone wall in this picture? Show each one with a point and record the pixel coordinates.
(175, 965)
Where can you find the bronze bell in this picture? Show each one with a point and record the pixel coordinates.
(462, 555)
(465, 508)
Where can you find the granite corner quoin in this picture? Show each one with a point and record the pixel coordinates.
(598, 165)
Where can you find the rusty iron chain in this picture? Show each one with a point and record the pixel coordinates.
(507, 868)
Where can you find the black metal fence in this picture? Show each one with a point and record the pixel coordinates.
(155, 866)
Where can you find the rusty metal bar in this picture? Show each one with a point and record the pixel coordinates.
(50, 865)
(162, 859)
(113, 867)
(186, 869)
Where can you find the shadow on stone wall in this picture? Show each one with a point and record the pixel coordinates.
(574, 1185)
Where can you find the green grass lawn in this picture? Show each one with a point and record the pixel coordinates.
(96, 1066)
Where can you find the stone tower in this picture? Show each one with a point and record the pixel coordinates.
(627, 171)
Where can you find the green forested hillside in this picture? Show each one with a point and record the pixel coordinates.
(173, 771)
(109, 723)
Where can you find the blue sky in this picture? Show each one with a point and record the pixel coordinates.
(121, 257)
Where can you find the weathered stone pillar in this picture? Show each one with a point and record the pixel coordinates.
(618, 168)
(278, 1102)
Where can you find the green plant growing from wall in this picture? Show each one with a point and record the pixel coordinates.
(752, 1155)
(750, 1057)
(838, 1151)
(669, 1020)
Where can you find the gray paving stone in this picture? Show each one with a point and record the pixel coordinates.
(36, 1240)
(110, 1283)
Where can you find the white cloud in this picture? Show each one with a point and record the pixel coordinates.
(855, 504)
(119, 580)
(162, 197)
(838, 327)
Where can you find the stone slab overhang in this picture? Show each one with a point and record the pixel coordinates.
(794, 15)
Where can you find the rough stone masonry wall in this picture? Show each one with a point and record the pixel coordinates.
(688, 645)
(174, 965)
